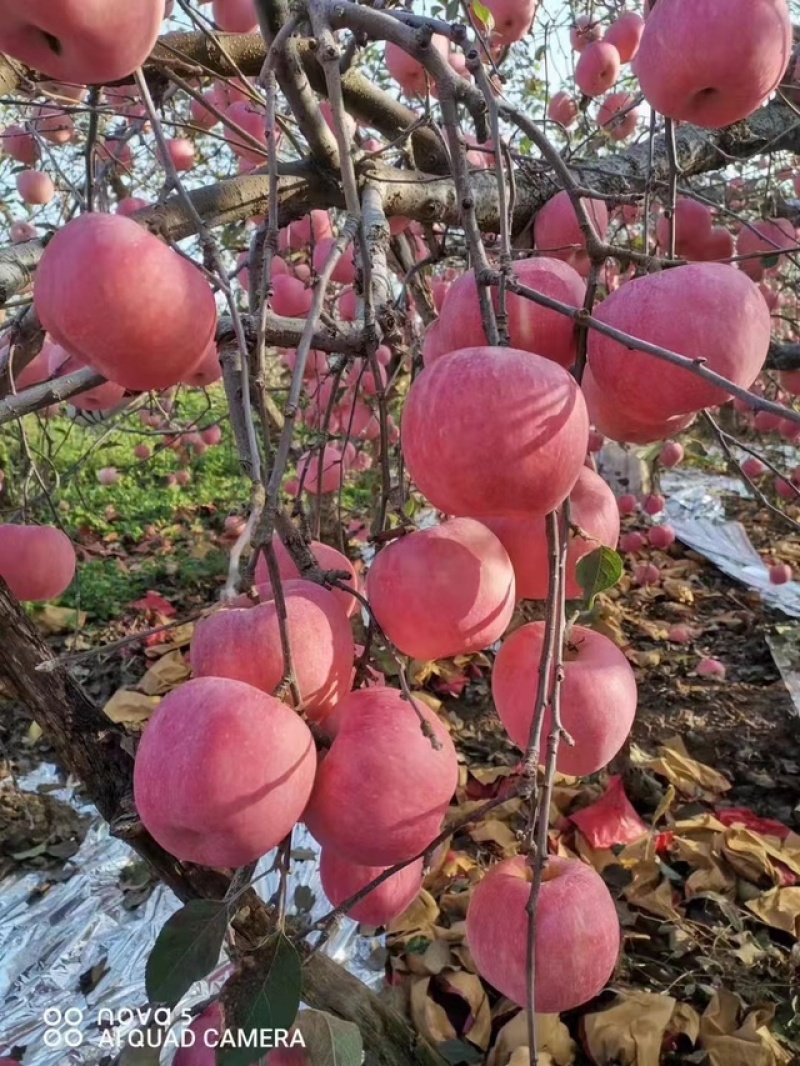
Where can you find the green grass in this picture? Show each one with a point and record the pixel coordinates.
(139, 533)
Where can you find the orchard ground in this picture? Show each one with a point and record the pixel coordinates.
(153, 554)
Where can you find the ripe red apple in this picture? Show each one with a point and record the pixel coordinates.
(680, 635)
(250, 118)
(212, 435)
(753, 467)
(532, 328)
(597, 69)
(223, 772)
(706, 311)
(382, 790)
(207, 371)
(585, 30)
(713, 64)
(108, 475)
(577, 932)
(181, 153)
(661, 536)
(624, 424)
(557, 233)
(512, 19)
(593, 509)
(627, 504)
(54, 124)
(20, 145)
(235, 16)
(563, 109)
(598, 695)
(341, 880)
(625, 33)
(345, 270)
(143, 336)
(245, 644)
(532, 441)
(36, 562)
(647, 574)
(443, 591)
(34, 187)
(653, 503)
(780, 573)
(22, 231)
(410, 74)
(766, 421)
(771, 237)
(710, 668)
(129, 205)
(671, 454)
(632, 542)
(618, 115)
(691, 222)
(142, 451)
(290, 297)
(328, 558)
(81, 41)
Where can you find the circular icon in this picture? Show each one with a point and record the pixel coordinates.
(52, 1016)
(73, 1037)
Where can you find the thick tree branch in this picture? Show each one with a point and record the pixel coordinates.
(99, 753)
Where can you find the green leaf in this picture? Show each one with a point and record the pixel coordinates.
(484, 14)
(329, 1041)
(264, 993)
(770, 261)
(601, 569)
(186, 950)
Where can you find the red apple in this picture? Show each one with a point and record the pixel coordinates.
(341, 880)
(598, 695)
(223, 772)
(328, 558)
(143, 336)
(81, 41)
(557, 232)
(382, 790)
(577, 933)
(563, 109)
(443, 591)
(532, 441)
(410, 74)
(244, 644)
(625, 33)
(36, 562)
(705, 311)
(597, 69)
(531, 327)
(593, 510)
(780, 573)
(713, 64)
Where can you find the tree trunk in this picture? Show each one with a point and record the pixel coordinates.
(99, 752)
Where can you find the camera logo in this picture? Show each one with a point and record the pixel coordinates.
(62, 1028)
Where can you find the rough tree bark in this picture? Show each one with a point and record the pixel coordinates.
(100, 754)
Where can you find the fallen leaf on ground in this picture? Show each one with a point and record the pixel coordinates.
(689, 776)
(128, 706)
(779, 908)
(631, 1031)
(429, 1018)
(552, 1038)
(478, 1027)
(54, 620)
(730, 1042)
(165, 674)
